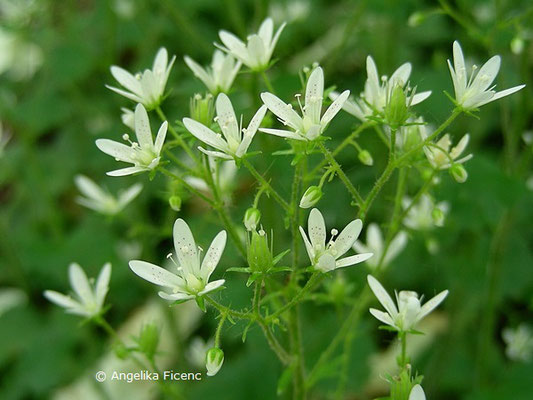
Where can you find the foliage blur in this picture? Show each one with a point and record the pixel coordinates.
(54, 63)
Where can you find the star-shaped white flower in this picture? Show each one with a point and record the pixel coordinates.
(102, 201)
(409, 311)
(88, 300)
(234, 140)
(377, 91)
(421, 215)
(147, 87)
(326, 257)
(519, 342)
(310, 125)
(220, 75)
(376, 245)
(145, 154)
(441, 155)
(192, 277)
(476, 91)
(417, 393)
(257, 52)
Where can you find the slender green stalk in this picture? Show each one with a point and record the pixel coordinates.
(313, 281)
(266, 185)
(177, 136)
(269, 86)
(349, 186)
(184, 183)
(222, 309)
(218, 331)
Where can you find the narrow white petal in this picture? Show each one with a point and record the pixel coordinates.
(142, 127)
(211, 286)
(381, 316)
(458, 150)
(136, 98)
(102, 284)
(395, 247)
(212, 257)
(401, 75)
(275, 40)
(60, 299)
(160, 62)
(373, 81)
(282, 110)
(283, 133)
(420, 97)
(115, 149)
(417, 393)
(347, 237)
(486, 75)
(382, 295)
(175, 296)
(314, 92)
(204, 134)
(226, 118)
(507, 92)
(317, 229)
(90, 188)
(256, 52)
(216, 154)
(201, 73)
(156, 275)
(129, 194)
(127, 171)
(126, 79)
(251, 131)
(80, 284)
(430, 305)
(266, 30)
(308, 245)
(374, 238)
(335, 107)
(160, 138)
(459, 68)
(352, 260)
(186, 247)
(234, 45)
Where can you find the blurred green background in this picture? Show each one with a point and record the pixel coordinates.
(54, 63)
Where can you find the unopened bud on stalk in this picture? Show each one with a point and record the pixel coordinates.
(416, 19)
(259, 256)
(517, 45)
(396, 111)
(366, 158)
(459, 173)
(202, 108)
(175, 203)
(214, 360)
(148, 340)
(311, 196)
(252, 216)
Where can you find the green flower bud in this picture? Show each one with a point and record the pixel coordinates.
(175, 202)
(148, 340)
(311, 197)
(396, 111)
(438, 216)
(214, 360)
(252, 216)
(259, 255)
(416, 19)
(202, 108)
(517, 45)
(366, 158)
(459, 173)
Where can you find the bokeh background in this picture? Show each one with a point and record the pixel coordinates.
(54, 63)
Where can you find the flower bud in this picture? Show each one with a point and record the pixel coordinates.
(202, 108)
(259, 256)
(311, 197)
(416, 19)
(148, 340)
(175, 202)
(396, 110)
(517, 45)
(438, 216)
(459, 173)
(366, 158)
(252, 216)
(214, 360)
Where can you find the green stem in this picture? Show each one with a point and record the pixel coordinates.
(389, 169)
(269, 86)
(184, 183)
(266, 185)
(313, 281)
(349, 186)
(177, 136)
(223, 317)
(222, 309)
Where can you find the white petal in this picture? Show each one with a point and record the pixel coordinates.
(266, 31)
(430, 305)
(226, 118)
(127, 171)
(156, 275)
(420, 97)
(90, 189)
(102, 284)
(507, 92)
(314, 92)
(372, 81)
(459, 69)
(186, 247)
(401, 75)
(115, 149)
(347, 237)
(352, 260)
(335, 107)
(275, 40)
(283, 133)
(308, 245)
(486, 74)
(417, 393)
(381, 316)
(212, 257)
(395, 247)
(204, 134)
(80, 284)
(374, 238)
(160, 138)
(127, 80)
(256, 52)
(142, 127)
(326, 263)
(60, 299)
(175, 296)
(234, 45)
(382, 295)
(282, 110)
(131, 96)
(200, 73)
(216, 154)
(317, 229)
(349, 106)
(457, 150)
(251, 131)
(211, 286)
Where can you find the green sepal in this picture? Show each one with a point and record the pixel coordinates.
(201, 303)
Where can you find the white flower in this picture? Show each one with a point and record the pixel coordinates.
(311, 124)
(220, 75)
(421, 215)
(409, 311)
(440, 154)
(234, 140)
(519, 342)
(88, 300)
(377, 91)
(476, 91)
(102, 201)
(147, 87)
(417, 393)
(325, 257)
(192, 278)
(375, 245)
(257, 52)
(145, 154)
